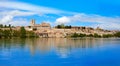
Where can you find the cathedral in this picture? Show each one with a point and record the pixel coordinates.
(35, 26)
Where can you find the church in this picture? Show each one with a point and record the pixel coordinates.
(34, 26)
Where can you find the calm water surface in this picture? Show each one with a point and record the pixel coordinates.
(60, 52)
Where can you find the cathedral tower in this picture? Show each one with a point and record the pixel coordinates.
(32, 23)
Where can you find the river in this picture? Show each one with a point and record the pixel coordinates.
(60, 52)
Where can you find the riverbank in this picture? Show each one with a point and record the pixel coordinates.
(72, 32)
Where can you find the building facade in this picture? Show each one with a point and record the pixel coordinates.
(34, 26)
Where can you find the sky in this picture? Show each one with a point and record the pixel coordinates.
(91, 13)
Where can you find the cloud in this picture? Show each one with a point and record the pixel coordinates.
(101, 21)
(19, 22)
(6, 19)
(30, 7)
(63, 20)
(8, 16)
(9, 10)
(110, 26)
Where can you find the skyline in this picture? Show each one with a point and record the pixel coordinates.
(93, 13)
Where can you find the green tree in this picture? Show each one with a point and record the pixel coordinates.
(1, 33)
(90, 35)
(75, 35)
(16, 33)
(6, 34)
(31, 34)
(68, 27)
(62, 25)
(96, 35)
(1, 26)
(117, 34)
(22, 32)
(107, 35)
(9, 26)
(82, 35)
(58, 26)
(5, 26)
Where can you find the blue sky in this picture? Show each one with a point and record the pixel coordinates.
(103, 7)
(93, 13)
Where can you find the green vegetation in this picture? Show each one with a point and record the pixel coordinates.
(83, 35)
(62, 26)
(5, 26)
(7, 31)
(78, 35)
(117, 34)
(31, 34)
(22, 33)
(75, 35)
(107, 35)
(96, 35)
(90, 35)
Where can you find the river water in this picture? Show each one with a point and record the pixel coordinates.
(60, 52)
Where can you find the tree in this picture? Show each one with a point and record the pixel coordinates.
(1, 26)
(15, 33)
(75, 35)
(58, 26)
(6, 34)
(1, 32)
(82, 35)
(5, 26)
(22, 32)
(9, 26)
(31, 34)
(68, 27)
(96, 35)
(117, 34)
(63, 26)
(83, 27)
(90, 35)
(107, 35)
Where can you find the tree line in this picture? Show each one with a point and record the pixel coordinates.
(62, 26)
(5, 26)
(117, 34)
(22, 33)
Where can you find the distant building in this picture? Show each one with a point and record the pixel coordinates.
(45, 30)
(34, 26)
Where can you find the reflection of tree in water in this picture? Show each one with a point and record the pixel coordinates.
(41, 44)
(65, 46)
(9, 45)
(62, 46)
(31, 44)
(12, 43)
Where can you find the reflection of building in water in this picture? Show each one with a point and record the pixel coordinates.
(43, 45)
(32, 46)
(62, 46)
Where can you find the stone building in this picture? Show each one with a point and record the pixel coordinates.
(45, 30)
(34, 26)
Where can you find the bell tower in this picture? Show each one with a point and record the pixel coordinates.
(32, 23)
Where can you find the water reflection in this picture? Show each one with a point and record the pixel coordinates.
(60, 51)
(61, 46)
(11, 43)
